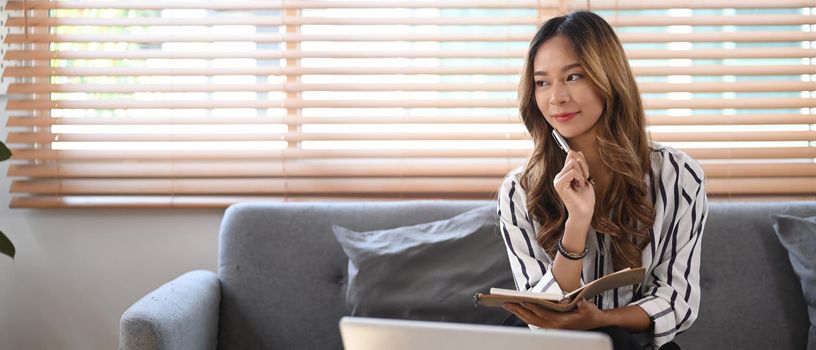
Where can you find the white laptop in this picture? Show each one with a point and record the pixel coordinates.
(360, 333)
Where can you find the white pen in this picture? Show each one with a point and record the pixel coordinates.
(560, 141)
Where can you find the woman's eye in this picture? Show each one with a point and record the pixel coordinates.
(573, 76)
(541, 83)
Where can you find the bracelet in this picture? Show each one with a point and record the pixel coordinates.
(571, 256)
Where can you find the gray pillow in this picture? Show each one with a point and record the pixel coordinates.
(798, 236)
(428, 271)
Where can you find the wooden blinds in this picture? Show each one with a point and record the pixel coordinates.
(205, 103)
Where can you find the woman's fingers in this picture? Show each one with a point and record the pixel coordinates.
(566, 180)
(523, 313)
(538, 310)
(583, 163)
(569, 164)
(579, 162)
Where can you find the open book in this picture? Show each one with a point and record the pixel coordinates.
(556, 301)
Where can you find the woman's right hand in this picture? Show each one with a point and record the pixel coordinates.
(571, 184)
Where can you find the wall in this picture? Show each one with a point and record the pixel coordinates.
(77, 270)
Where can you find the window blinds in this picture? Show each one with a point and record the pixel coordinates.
(206, 103)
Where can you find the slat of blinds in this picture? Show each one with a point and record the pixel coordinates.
(744, 119)
(45, 121)
(262, 54)
(751, 153)
(128, 104)
(776, 186)
(220, 202)
(37, 21)
(793, 69)
(716, 103)
(271, 154)
(782, 52)
(35, 137)
(132, 202)
(42, 137)
(714, 185)
(288, 87)
(692, 4)
(655, 120)
(350, 168)
(774, 170)
(220, 154)
(73, 72)
(270, 5)
(306, 4)
(766, 36)
(440, 103)
(744, 86)
(257, 186)
(230, 169)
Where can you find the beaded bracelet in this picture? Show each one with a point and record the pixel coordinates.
(571, 256)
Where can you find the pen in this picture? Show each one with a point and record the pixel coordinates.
(560, 141)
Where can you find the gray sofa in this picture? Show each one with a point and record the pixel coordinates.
(282, 276)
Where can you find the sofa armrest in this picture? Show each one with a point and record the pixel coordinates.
(182, 314)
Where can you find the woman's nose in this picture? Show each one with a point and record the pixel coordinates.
(559, 94)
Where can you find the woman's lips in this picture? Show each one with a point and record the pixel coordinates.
(565, 117)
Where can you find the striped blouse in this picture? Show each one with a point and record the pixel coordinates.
(670, 294)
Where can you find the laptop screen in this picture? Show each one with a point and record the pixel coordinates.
(360, 333)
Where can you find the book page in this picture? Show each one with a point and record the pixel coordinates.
(551, 296)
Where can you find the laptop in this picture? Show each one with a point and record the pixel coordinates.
(360, 333)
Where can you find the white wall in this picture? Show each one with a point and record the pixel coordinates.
(77, 270)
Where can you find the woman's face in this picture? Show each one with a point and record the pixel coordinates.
(567, 98)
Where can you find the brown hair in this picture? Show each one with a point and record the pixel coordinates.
(624, 211)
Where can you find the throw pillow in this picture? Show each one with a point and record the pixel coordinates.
(798, 236)
(428, 271)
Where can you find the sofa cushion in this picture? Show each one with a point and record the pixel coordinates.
(750, 295)
(798, 236)
(428, 271)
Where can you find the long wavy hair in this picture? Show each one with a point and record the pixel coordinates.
(624, 212)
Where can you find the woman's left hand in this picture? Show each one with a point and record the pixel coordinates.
(585, 316)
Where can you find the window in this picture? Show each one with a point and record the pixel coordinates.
(205, 103)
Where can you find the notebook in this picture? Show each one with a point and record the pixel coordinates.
(360, 333)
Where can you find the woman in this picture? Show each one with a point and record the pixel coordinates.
(614, 201)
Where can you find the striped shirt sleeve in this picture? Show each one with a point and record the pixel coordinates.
(671, 292)
(529, 263)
